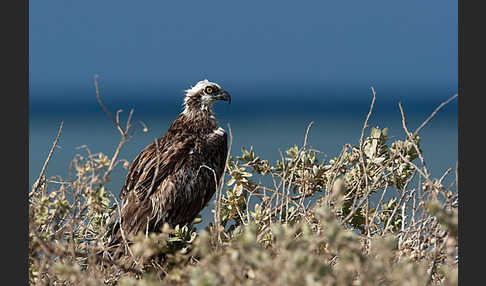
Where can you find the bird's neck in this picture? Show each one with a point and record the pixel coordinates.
(200, 118)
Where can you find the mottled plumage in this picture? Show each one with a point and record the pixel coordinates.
(172, 179)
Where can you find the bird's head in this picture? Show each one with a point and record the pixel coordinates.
(203, 95)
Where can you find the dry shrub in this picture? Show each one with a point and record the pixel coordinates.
(371, 216)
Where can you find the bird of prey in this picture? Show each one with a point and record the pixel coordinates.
(173, 178)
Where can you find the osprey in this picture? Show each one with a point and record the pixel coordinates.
(172, 179)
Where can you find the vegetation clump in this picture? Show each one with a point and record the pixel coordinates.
(373, 215)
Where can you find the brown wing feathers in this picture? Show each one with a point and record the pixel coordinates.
(166, 183)
(152, 166)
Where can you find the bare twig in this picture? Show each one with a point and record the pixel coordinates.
(123, 131)
(433, 114)
(361, 145)
(219, 189)
(41, 177)
(412, 138)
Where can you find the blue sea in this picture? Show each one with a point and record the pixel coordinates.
(269, 122)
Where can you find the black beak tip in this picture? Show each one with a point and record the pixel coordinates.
(227, 97)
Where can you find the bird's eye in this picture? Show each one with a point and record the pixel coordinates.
(209, 90)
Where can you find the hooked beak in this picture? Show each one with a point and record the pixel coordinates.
(224, 96)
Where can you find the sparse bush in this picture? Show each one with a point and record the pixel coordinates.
(357, 219)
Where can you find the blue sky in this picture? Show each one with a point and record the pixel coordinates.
(291, 44)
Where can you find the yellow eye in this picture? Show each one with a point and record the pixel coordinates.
(209, 90)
